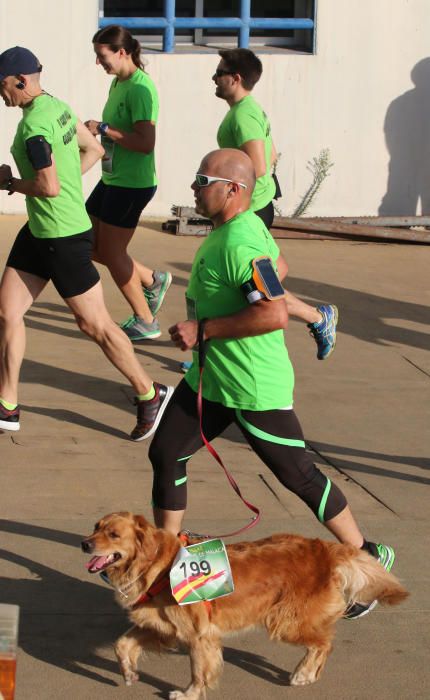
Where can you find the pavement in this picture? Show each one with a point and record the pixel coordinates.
(365, 417)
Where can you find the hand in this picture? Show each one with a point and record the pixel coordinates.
(92, 126)
(5, 175)
(184, 334)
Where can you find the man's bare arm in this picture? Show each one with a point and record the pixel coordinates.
(256, 319)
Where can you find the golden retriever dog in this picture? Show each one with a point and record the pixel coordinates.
(297, 588)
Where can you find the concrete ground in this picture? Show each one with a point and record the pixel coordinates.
(365, 416)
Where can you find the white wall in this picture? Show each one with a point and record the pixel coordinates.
(337, 99)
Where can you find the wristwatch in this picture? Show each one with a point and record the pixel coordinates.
(102, 128)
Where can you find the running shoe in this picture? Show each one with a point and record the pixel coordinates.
(324, 332)
(155, 294)
(185, 366)
(138, 329)
(386, 556)
(149, 413)
(9, 420)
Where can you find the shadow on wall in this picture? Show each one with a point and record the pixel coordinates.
(407, 135)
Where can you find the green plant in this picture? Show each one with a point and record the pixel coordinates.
(319, 167)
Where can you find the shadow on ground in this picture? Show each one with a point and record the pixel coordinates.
(363, 315)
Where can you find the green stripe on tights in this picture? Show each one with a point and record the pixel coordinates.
(178, 482)
(267, 436)
(323, 503)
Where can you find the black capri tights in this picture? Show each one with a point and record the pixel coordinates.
(275, 436)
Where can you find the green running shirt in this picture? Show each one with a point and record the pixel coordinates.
(65, 214)
(246, 121)
(129, 101)
(253, 373)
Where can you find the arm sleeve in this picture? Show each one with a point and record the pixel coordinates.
(143, 104)
(238, 261)
(248, 128)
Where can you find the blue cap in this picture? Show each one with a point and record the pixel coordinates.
(18, 61)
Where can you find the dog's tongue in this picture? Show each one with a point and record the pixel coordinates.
(97, 563)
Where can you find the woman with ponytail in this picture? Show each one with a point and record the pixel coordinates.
(128, 180)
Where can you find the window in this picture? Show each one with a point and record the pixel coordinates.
(211, 24)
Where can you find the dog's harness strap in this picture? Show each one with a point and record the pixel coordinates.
(154, 590)
(202, 356)
(164, 583)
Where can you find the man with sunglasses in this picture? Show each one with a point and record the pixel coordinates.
(248, 378)
(247, 127)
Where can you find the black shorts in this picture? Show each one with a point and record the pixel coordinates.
(267, 214)
(118, 206)
(66, 261)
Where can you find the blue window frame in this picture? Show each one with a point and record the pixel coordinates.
(207, 24)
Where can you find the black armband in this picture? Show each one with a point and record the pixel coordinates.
(39, 152)
(251, 292)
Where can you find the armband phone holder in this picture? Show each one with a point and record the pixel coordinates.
(39, 152)
(266, 279)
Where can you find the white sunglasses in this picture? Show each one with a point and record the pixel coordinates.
(205, 180)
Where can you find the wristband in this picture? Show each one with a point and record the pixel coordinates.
(102, 128)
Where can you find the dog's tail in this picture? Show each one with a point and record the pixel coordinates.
(364, 579)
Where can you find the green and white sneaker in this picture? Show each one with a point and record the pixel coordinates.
(155, 294)
(386, 556)
(137, 329)
(383, 553)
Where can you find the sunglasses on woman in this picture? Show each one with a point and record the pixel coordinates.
(206, 180)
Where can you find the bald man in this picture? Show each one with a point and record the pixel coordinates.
(248, 377)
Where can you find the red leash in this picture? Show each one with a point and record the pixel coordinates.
(202, 356)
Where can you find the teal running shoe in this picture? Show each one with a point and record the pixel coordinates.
(138, 329)
(324, 332)
(155, 294)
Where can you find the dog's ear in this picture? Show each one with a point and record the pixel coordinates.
(141, 522)
(146, 537)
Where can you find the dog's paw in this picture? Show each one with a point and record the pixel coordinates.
(131, 677)
(302, 678)
(190, 694)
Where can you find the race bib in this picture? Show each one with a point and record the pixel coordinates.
(107, 159)
(201, 572)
